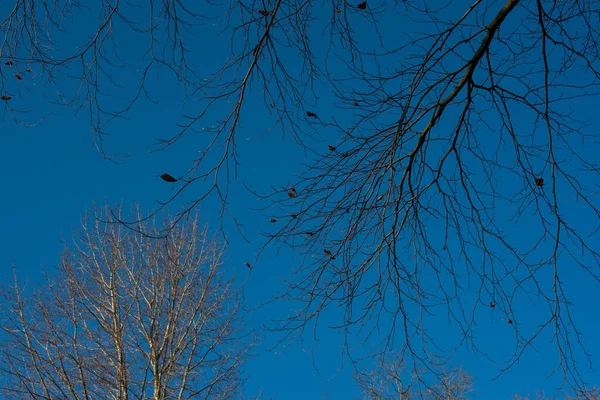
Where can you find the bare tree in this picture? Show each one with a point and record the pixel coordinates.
(449, 126)
(126, 317)
(585, 394)
(390, 380)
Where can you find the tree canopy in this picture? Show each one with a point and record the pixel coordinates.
(126, 317)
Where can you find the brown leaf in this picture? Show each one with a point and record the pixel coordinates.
(312, 115)
(362, 6)
(6, 98)
(168, 178)
(293, 216)
(510, 321)
(331, 148)
(355, 104)
(19, 77)
(539, 182)
(327, 252)
(273, 220)
(8, 63)
(27, 70)
(309, 233)
(291, 194)
(492, 304)
(264, 13)
(247, 264)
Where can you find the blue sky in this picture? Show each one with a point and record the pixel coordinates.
(50, 173)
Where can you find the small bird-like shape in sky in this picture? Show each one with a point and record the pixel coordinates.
(168, 178)
(6, 98)
(362, 6)
(312, 115)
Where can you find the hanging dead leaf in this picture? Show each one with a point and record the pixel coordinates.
(292, 195)
(273, 220)
(6, 98)
(355, 104)
(247, 264)
(312, 115)
(331, 148)
(264, 13)
(168, 178)
(328, 252)
(510, 321)
(492, 304)
(8, 63)
(539, 182)
(293, 216)
(362, 6)
(19, 77)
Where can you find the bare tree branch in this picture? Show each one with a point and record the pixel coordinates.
(126, 317)
(448, 130)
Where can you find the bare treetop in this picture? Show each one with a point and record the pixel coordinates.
(126, 317)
